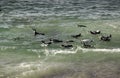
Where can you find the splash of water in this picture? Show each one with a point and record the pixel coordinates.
(100, 50)
(48, 52)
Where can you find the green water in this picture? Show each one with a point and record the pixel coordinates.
(22, 56)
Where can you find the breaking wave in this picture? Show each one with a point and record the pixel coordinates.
(72, 51)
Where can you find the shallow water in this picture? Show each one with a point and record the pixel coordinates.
(22, 55)
(19, 46)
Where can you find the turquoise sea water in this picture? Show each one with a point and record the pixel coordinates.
(22, 55)
(21, 52)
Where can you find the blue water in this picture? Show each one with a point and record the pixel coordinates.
(84, 9)
(21, 51)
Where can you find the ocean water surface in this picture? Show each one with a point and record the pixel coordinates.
(22, 54)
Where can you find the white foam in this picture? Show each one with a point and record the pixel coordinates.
(24, 65)
(100, 50)
(48, 52)
(54, 52)
(7, 47)
(28, 65)
(44, 45)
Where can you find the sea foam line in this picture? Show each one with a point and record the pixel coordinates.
(7, 47)
(100, 50)
(48, 52)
